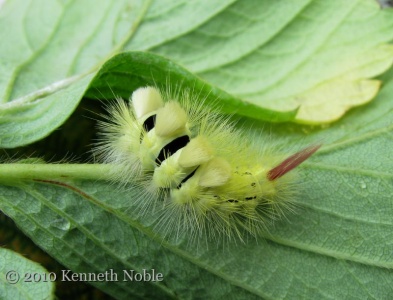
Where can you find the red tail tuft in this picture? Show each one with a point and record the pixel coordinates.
(291, 162)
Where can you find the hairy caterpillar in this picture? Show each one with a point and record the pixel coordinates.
(202, 174)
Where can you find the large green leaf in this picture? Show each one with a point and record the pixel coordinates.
(315, 57)
(338, 245)
(260, 59)
(129, 70)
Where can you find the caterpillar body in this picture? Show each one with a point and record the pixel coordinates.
(202, 174)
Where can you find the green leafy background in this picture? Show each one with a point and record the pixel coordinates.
(300, 61)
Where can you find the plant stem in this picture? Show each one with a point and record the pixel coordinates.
(14, 172)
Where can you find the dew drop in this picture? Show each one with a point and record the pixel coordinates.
(62, 224)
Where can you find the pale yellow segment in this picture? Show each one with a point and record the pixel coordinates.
(215, 173)
(197, 152)
(169, 174)
(146, 100)
(170, 119)
(187, 194)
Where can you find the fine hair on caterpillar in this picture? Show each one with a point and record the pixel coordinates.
(199, 174)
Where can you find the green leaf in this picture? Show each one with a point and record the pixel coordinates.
(33, 117)
(21, 278)
(127, 71)
(85, 237)
(272, 58)
(47, 50)
(255, 57)
(337, 244)
(316, 56)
